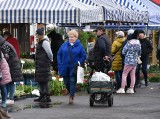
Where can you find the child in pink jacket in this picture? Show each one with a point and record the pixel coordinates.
(5, 77)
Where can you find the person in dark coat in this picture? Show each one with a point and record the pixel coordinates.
(14, 65)
(102, 50)
(13, 41)
(43, 60)
(56, 42)
(146, 49)
(68, 56)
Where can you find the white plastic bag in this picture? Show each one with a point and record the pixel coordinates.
(99, 76)
(80, 74)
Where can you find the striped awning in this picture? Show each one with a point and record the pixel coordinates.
(154, 13)
(38, 11)
(116, 12)
(88, 12)
(49, 11)
(135, 5)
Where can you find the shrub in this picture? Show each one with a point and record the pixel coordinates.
(55, 87)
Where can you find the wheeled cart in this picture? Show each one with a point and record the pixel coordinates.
(101, 92)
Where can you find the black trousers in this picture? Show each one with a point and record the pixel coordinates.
(44, 88)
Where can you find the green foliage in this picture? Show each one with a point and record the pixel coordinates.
(24, 89)
(91, 35)
(83, 87)
(83, 36)
(154, 73)
(29, 64)
(154, 68)
(55, 87)
(154, 79)
(25, 55)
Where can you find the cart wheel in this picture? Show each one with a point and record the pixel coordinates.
(91, 101)
(110, 100)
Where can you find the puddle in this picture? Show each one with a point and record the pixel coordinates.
(15, 108)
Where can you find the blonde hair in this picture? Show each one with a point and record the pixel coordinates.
(74, 33)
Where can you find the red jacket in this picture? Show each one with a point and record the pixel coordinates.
(14, 42)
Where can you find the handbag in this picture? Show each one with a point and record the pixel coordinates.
(139, 60)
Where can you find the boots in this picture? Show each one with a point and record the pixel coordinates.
(39, 98)
(46, 98)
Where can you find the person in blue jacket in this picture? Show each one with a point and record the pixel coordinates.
(68, 56)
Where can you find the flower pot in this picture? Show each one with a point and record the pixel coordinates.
(64, 92)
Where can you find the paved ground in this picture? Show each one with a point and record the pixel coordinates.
(144, 104)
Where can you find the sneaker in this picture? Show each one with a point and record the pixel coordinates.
(10, 102)
(130, 90)
(121, 90)
(3, 105)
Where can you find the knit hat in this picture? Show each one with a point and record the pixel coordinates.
(120, 34)
(130, 31)
(40, 31)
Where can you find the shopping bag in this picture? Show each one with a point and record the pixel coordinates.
(80, 74)
(139, 61)
(100, 76)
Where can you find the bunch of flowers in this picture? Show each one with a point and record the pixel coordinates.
(28, 71)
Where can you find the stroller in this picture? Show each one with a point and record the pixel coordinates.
(100, 87)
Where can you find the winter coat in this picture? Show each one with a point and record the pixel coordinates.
(42, 73)
(116, 49)
(102, 47)
(131, 51)
(4, 70)
(129, 37)
(12, 60)
(146, 47)
(13, 41)
(63, 57)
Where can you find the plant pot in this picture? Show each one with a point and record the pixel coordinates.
(78, 88)
(64, 92)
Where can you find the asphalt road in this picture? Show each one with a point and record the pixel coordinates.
(144, 104)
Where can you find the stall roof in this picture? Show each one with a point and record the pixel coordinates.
(88, 12)
(154, 12)
(48, 11)
(144, 5)
(38, 11)
(117, 12)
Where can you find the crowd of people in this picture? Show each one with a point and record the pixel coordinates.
(126, 49)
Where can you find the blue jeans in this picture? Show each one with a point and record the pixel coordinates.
(70, 83)
(3, 93)
(10, 90)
